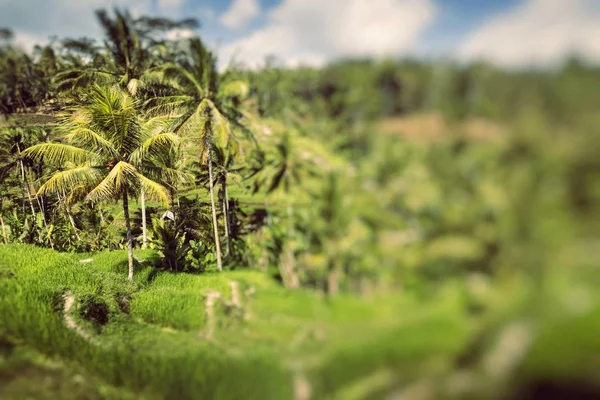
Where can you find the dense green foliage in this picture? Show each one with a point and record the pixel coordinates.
(362, 229)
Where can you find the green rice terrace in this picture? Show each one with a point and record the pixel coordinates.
(394, 229)
(176, 336)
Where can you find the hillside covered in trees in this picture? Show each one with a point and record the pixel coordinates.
(399, 229)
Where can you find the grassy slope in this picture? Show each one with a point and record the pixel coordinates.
(275, 337)
(27, 374)
(345, 347)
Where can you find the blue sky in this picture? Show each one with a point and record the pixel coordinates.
(512, 33)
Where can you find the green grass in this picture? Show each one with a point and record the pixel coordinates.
(346, 347)
(154, 344)
(27, 374)
(130, 354)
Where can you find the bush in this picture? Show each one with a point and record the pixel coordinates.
(93, 309)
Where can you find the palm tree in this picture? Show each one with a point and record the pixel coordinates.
(199, 106)
(290, 159)
(132, 46)
(333, 221)
(103, 152)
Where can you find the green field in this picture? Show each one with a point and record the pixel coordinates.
(154, 336)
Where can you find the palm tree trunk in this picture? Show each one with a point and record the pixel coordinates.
(23, 196)
(333, 279)
(43, 212)
(226, 217)
(101, 216)
(40, 201)
(72, 221)
(288, 265)
(129, 235)
(3, 230)
(144, 226)
(69, 215)
(214, 212)
(26, 189)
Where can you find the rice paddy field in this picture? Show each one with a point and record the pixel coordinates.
(240, 335)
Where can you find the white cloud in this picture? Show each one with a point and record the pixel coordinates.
(177, 34)
(315, 31)
(539, 32)
(28, 41)
(240, 13)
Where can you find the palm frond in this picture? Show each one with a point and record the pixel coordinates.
(88, 139)
(155, 125)
(154, 190)
(116, 181)
(65, 181)
(134, 85)
(180, 75)
(239, 89)
(58, 153)
(168, 105)
(162, 142)
(81, 77)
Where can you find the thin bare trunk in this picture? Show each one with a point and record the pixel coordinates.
(41, 206)
(333, 279)
(214, 213)
(226, 217)
(144, 227)
(26, 189)
(72, 221)
(69, 215)
(3, 230)
(129, 235)
(288, 261)
(40, 201)
(23, 196)
(287, 269)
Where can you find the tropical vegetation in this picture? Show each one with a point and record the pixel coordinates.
(370, 229)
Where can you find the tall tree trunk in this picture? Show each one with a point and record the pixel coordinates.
(129, 235)
(214, 212)
(42, 211)
(72, 221)
(226, 217)
(144, 226)
(3, 230)
(26, 189)
(333, 279)
(69, 215)
(40, 201)
(288, 261)
(101, 216)
(23, 197)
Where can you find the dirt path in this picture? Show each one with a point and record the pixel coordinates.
(70, 321)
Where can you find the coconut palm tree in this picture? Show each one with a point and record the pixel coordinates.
(132, 46)
(131, 49)
(104, 150)
(201, 107)
(289, 160)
